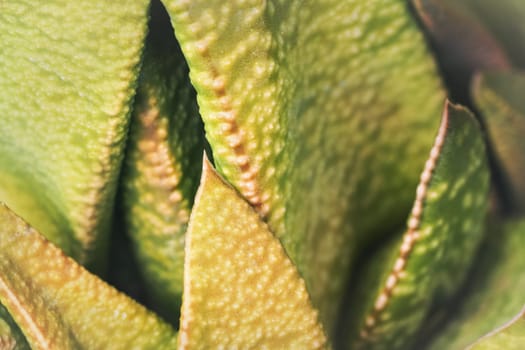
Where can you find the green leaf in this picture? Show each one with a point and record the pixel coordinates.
(511, 336)
(162, 165)
(60, 305)
(499, 96)
(67, 76)
(430, 260)
(240, 288)
(494, 293)
(292, 95)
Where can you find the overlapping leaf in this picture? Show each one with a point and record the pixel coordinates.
(60, 305)
(162, 165)
(67, 76)
(11, 337)
(432, 257)
(499, 96)
(240, 289)
(511, 336)
(319, 113)
(494, 294)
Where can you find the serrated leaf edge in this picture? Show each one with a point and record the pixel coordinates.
(411, 236)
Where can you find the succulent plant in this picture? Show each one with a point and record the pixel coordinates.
(262, 174)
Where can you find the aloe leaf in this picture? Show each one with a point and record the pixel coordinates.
(11, 337)
(494, 293)
(60, 305)
(67, 76)
(511, 336)
(432, 257)
(161, 172)
(240, 289)
(499, 96)
(291, 95)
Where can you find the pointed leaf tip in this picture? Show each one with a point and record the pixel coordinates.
(240, 288)
(429, 261)
(59, 304)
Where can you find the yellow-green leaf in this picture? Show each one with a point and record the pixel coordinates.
(510, 337)
(240, 289)
(60, 305)
(162, 165)
(320, 113)
(67, 76)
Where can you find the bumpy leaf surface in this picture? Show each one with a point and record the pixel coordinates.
(319, 113)
(494, 295)
(431, 258)
(60, 305)
(162, 165)
(499, 96)
(67, 75)
(241, 291)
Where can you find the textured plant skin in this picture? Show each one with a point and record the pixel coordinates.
(68, 76)
(161, 172)
(321, 120)
(298, 150)
(60, 305)
(241, 290)
(455, 179)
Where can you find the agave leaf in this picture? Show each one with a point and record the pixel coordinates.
(60, 305)
(11, 337)
(511, 336)
(161, 171)
(499, 96)
(291, 94)
(494, 293)
(240, 288)
(434, 253)
(67, 75)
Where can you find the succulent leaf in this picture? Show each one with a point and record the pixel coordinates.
(11, 337)
(432, 257)
(161, 172)
(499, 96)
(505, 21)
(469, 45)
(291, 95)
(67, 76)
(511, 336)
(60, 305)
(472, 36)
(494, 293)
(240, 288)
